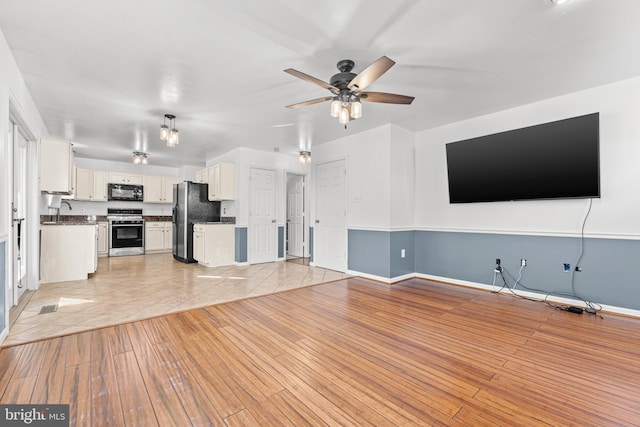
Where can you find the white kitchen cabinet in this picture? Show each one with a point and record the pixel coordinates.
(56, 167)
(84, 184)
(103, 239)
(214, 244)
(90, 185)
(202, 176)
(99, 186)
(152, 189)
(198, 245)
(158, 236)
(159, 189)
(167, 187)
(168, 236)
(222, 181)
(68, 252)
(124, 178)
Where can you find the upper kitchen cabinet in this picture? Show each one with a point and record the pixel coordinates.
(159, 189)
(124, 178)
(56, 167)
(99, 186)
(222, 182)
(90, 185)
(202, 176)
(84, 184)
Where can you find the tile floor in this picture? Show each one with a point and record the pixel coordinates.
(137, 287)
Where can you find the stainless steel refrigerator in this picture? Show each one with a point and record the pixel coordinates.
(190, 205)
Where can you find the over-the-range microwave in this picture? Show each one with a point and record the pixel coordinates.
(125, 192)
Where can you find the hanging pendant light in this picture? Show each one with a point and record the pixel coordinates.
(169, 133)
(164, 129)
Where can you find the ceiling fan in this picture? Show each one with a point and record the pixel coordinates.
(347, 89)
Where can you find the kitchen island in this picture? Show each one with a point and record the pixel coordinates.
(214, 243)
(69, 251)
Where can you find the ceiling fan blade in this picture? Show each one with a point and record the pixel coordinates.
(310, 102)
(387, 98)
(370, 74)
(311, 79)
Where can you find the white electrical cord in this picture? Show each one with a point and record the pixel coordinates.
(519, 277)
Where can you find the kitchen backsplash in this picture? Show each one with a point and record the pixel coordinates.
(100, 208)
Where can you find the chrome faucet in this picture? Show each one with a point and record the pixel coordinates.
(58, 214)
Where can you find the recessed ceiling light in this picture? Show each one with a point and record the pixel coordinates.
(559, 1)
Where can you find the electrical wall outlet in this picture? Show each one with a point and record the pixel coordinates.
(523, 262)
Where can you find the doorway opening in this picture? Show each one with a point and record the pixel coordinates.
(296, 230)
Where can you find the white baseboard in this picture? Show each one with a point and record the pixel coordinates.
(388, 280)
(528, 294)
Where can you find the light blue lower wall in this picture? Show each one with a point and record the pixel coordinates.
(3, 285)
(241, 244)
(608, 265)
(369, 252)
(380, 252)
(281, 242)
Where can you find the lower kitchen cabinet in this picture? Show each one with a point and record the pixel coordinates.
(68, 252)
(214, 244)
(158, 236)
(103, 239)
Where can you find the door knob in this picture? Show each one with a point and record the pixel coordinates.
(317, 221)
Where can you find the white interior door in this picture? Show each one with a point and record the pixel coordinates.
(19, 210)
(330, 239)
(263, 245)
(295, 216)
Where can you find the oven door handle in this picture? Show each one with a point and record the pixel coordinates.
(127, 225)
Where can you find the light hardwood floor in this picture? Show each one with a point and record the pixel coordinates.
(136, 287)
(349, 352)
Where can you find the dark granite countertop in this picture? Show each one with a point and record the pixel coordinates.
(157, 218)
(223, 220)
(72, 219)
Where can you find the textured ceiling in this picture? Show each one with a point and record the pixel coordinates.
(103, 74)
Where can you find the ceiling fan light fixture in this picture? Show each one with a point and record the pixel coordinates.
(343, 118)
(335, 107)
(356, 109)
(347, 89)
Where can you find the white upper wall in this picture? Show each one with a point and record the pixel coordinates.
(614, 214)
(380, 176)
(247, 158)
(367, 156)
(13, 91)
(403, 171)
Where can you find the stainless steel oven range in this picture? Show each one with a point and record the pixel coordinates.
(126, 232)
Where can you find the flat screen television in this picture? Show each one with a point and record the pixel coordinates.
(548, 161)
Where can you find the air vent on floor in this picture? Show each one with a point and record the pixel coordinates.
(48, 309)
